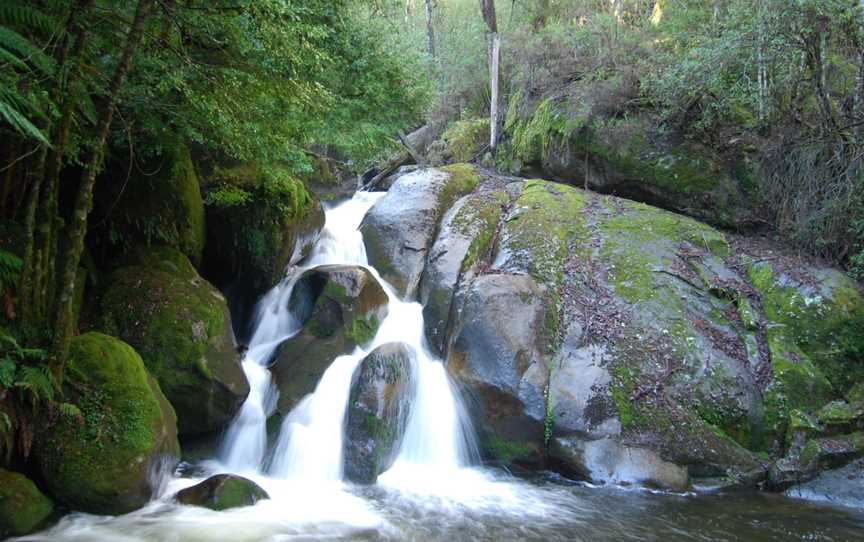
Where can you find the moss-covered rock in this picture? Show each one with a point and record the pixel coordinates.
(377, 411)
(159, 204)
(260, 219)
(341, 307)
(222, 492)
(181, 326)
(23, 507)
(626, 157)
(101, 462)
(461, 141)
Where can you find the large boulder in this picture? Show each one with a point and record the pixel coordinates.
(629, 158)
(377, 412)
(499, 360)
(101, 461)
(160, 203)
(222, 492)
(637, 329)
(340, 307)
(181, 326)
(260, 219)
(23, 507)
(400, 228)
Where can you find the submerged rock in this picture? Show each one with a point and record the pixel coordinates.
(222, 492)
(23, 508)
(399, 229)
(377, 412)
(340, 307)
(843, 486)
(181, 326)
(100, 462)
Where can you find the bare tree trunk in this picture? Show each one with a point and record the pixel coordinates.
(84, 199)
(858, 109)
(488, 9)
(430, 31)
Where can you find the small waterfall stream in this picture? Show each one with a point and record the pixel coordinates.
(309, 447)
(432, 491)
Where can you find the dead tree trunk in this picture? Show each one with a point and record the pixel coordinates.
(488, 9)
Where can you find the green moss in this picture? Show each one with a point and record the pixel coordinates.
(22, 506)
(463, 179)
(100, 463)
(748, 316)
(362, 329)
(840, 413)
(235, 493)
(506, 451)
(165, 208)
(824, 326)
(465, 138)
(179, 324)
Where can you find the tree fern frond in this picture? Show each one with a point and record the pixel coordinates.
(70, 411)
(27, 17)
(37, 382)
(15, 43)
(18, 121)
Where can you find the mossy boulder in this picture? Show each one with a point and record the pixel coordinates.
(627, 157)
(181, 326)
(378, 408)
(23, 507)
(461, 141)
(159, 204)
(340, 307)
(399, 229)
(818, 454)
(222, 492)
(260, 219)
(101, 461)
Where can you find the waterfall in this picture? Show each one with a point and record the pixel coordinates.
(309, 446)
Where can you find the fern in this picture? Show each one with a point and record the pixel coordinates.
(27, 17)
(70, 411)
(15, 44)
(37, 383)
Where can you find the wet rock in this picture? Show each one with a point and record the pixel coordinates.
(181, 326)
(607, 461)
(498, 360)
(377, 411)
(23, 507)
(464, 241)
(100, 462)
(843, 486)
(802, 464)
(341, 307)
(399, 229)
(222, 492)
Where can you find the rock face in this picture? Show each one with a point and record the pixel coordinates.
(340, 307)
(499, 359)
(22, 506)
(377, 412)
(620, 342)
(100, 463)
(399, 229)
(181, 326)
(162, 208)
(272, 221)
(222, 492)
(616, 157)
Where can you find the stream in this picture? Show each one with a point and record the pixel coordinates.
(436, 489)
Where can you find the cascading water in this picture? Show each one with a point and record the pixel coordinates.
(430, 493)
(309, 447)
